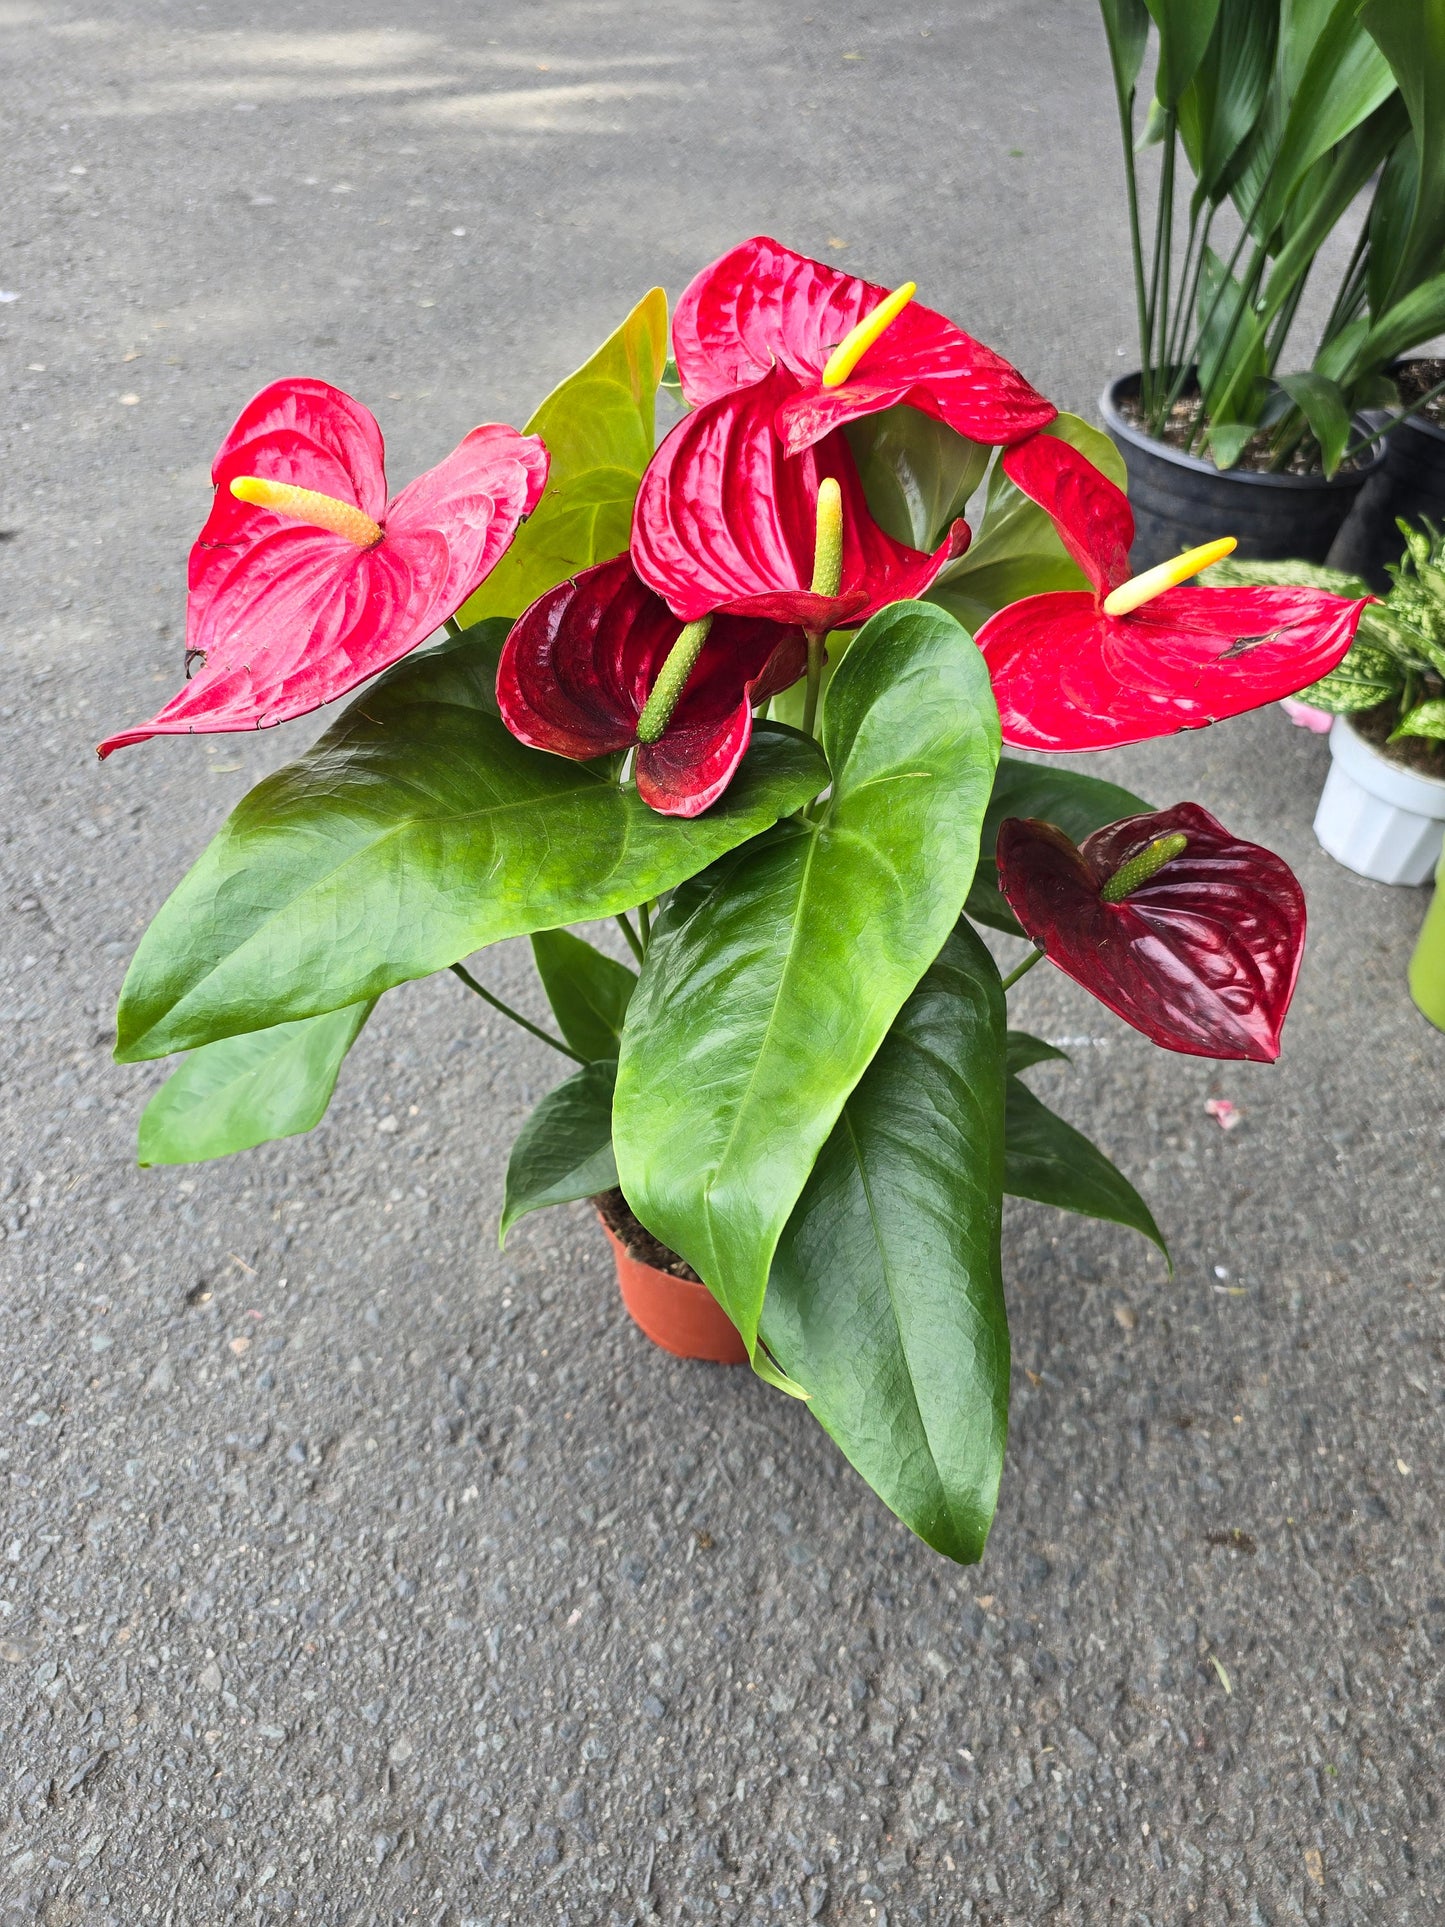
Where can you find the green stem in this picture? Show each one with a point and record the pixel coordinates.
(644, 918)
(1023, 969)
(1125, 102)
(1166, 212)
(633, 943)
(460, 970)
(815, 682)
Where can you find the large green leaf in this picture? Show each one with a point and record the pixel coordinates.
(1412, 321)
(1411, 36)
(1345, 79)
(1016, 551)
(1324, 407)
(1049, 1161)
(564, 1150)
(885, 1298)
(415, 832)
(600, 429)
(1184, 30)
(772, 978)
(1222, 102)
(1078, 804)
(917, 473)
(1126, 26)
(589, 992)
(247, 1090)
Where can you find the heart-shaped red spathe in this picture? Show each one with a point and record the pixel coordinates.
(579, 665)
(1067, 676)
(1202, 958)
(286, 616)
(726, 521)
(763, 305)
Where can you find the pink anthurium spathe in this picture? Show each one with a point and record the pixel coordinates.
(726, 521)
(851, 347)
(306, 580)
(1190, 934)
(1141, 657)
(579, 666)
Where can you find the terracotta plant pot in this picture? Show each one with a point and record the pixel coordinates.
(678, 1314)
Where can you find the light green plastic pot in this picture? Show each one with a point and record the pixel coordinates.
(1427, 966)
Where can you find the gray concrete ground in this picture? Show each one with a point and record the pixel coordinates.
(354, 1571)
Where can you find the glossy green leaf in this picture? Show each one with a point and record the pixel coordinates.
(1016, 550)
(1078, 804)
(1022, 1052)
(247, 1090)
(1324, 407)
(1367, 677)
(589, 992)
(1126, 27)
(1232, 360)
(1345, 79)
(600, 431)
(1221, 104)
(1184, 30)
(885, 1298)
(917, 473)
(772, 978)
(415, 832)
(1049, 1161)
(1410, 35)
(564, 1150)
(1413, 320)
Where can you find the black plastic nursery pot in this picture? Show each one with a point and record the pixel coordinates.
(1411, 485)
(1180, 500)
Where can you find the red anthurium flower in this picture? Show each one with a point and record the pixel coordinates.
(306, 580)
(1137, 658)
(725, 520)
(580, 664)
(1184, 931)
(762, 306)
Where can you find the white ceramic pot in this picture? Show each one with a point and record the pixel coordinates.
(1378, 818)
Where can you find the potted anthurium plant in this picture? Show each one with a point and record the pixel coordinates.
(720, 692)
(1284, 115)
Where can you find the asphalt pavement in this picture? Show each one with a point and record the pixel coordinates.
(353, 1571)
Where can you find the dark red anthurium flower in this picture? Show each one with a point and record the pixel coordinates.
(1186, 932)
(1131, 659)
(306, 580)
(726, 521)
(579, 665)
(762, 306)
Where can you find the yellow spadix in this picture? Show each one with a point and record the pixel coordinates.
(860, 338)
(1139, 589)
(308, 505)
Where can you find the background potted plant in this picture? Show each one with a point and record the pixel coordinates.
(807, 1091)
(1283, 115)
(1382, 813)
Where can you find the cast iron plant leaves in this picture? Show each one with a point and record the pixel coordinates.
(579, 665)
(306, 580)
(725, 520)
(1128, 660)
(763, 306)
(1190, 934)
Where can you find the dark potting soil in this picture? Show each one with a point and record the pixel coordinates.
(1419, 753)
(637, 1239)
(1256, 455)
(1417, 378)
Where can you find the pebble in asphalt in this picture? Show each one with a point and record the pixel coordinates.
(352, 1570)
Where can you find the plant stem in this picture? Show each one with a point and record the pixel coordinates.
(1125, 102)
(1022, 970)
(460, 970)
(815, 682)
(1393, 423)
(453, 627)
(633, 942)
(644, 918)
